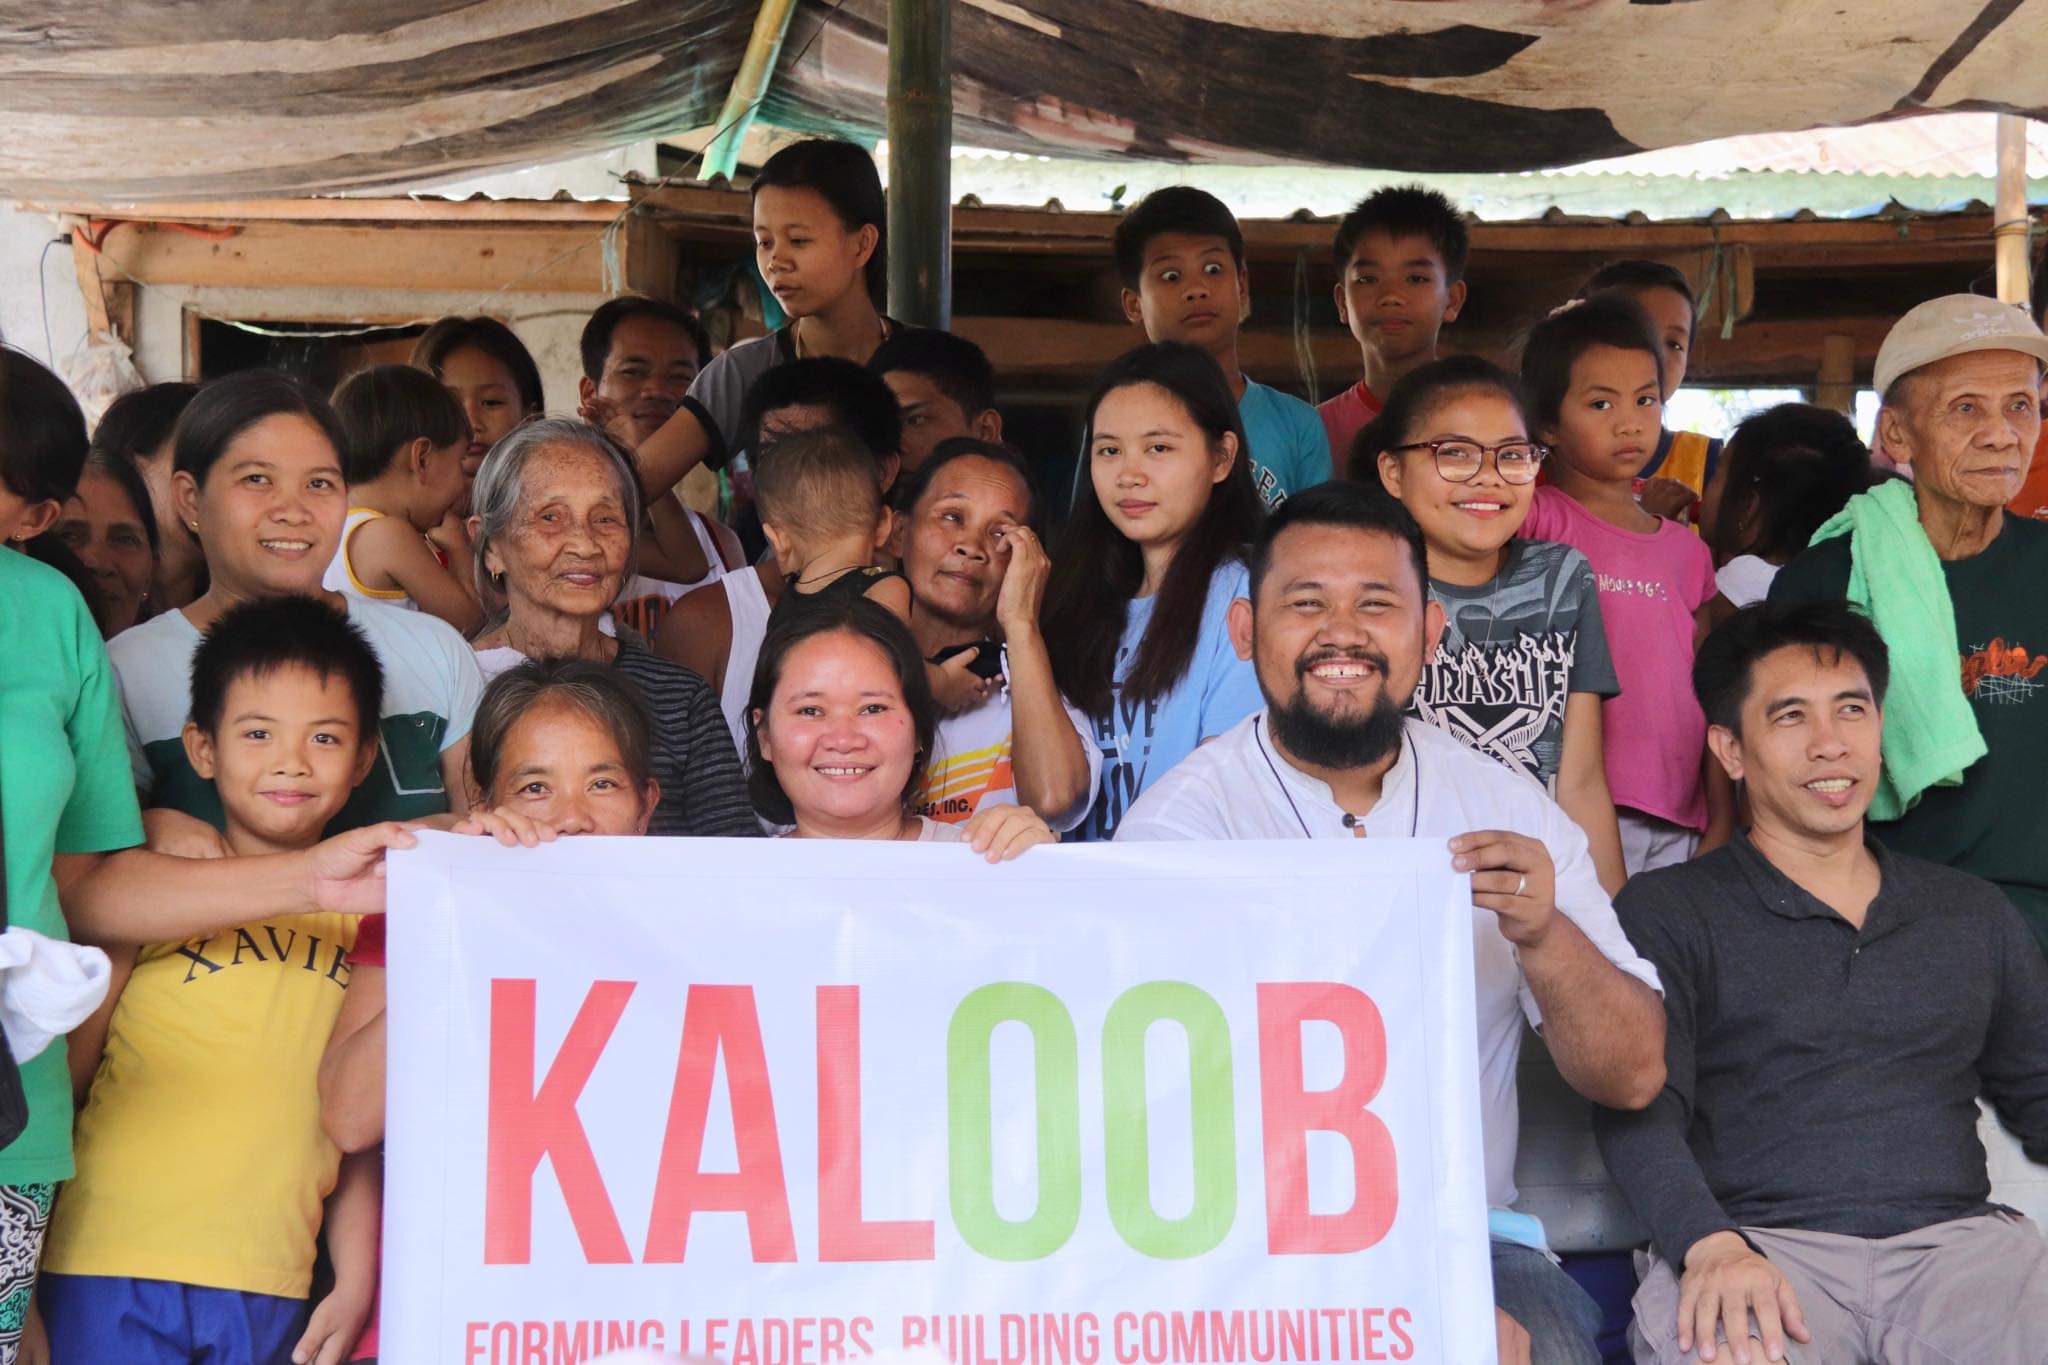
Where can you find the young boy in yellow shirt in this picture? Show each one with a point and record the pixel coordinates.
(189, 1231)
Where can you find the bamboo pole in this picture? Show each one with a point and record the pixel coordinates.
(920, 162)
(749, 84)
(2009, 233)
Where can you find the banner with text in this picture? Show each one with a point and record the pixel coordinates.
(796, 1102)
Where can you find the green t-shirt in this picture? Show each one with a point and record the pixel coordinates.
(64, 788)
(1994, 825)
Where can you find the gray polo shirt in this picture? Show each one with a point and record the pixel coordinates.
(1820, 1077)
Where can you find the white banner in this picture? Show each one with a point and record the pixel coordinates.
(796, 1102)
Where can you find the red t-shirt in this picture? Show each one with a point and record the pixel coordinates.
(1343, 417)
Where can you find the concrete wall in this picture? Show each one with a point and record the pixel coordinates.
(23, 236)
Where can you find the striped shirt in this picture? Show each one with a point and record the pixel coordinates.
(702, 790)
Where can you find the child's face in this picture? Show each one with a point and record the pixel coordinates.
(1152, 466)
(1190, 289)
(804, 250)
(288, 752)
(490, 399)
(1395, 296)
(559, 765)
(930, 417)
(1608, 423)
(271, 509)
(104, 529)
(1476, 517)
(1671, 319)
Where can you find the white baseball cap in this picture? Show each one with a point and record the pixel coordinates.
(1955, 324)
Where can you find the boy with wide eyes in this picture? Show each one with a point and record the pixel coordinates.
(1181, 257)
(1400, 277)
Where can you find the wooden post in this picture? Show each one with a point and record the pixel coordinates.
(2009, 230)
(109, 299)
(1835, 386)
(920, 162)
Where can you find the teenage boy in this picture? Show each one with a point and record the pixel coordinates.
(1811, 1175)
(189, 1230)
(944, 386)
(1400, 277)
(1181, 257)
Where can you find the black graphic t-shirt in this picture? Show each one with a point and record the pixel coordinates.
(1994, 825)
(1512, 651)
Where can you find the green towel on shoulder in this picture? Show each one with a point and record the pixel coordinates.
(1895, 578)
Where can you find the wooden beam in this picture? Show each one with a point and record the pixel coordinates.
(190, 346)
(1053, 348)
(1040, 351)
(396, 210)
(1788, 352)
(276, 255)
(86, 262)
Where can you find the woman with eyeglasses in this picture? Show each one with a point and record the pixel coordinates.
(1524, 664)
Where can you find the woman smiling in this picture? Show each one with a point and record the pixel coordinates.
(257, 478)
(839, 728)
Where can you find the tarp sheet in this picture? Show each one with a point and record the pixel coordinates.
(127, 99)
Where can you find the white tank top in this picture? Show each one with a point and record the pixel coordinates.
(748, 606)
(341, 575)
(644, 601)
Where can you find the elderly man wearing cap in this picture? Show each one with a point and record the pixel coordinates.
(1959, 591)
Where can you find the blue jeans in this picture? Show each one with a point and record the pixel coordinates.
(1561, 1319)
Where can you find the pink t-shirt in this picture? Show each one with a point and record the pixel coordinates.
(1654, 733)
(1343, 416)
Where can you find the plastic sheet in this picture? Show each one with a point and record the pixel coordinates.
(148, 99)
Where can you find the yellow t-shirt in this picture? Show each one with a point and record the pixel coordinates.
(201, 1159)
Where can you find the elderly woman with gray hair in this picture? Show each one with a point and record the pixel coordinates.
(554, 525)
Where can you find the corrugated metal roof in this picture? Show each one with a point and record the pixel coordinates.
(1932, 145)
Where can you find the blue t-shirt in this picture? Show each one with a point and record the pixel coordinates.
(1142, 740)
(1290, 449)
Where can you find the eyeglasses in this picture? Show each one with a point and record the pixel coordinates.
(1459, 460)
